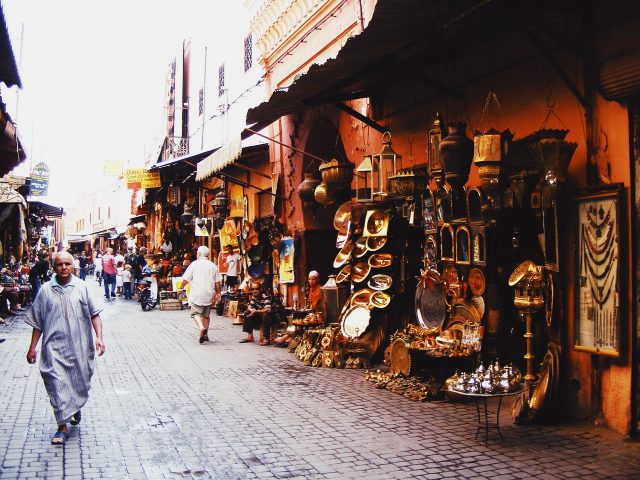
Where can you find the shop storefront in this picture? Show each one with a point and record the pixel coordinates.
(490, 224)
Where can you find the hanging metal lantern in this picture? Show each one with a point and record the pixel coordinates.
(434, 164)
(369, 176)
(387, 162)
(220, 202)
(187, 214)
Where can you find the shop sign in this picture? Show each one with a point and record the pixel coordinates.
(141, 178)
(39, 180)
(9, 195)
(203, 227)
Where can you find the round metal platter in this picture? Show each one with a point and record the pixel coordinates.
(344, 274)
(342, 217)
(380, 299)
(380, 281)
(360, 248)
(355, 321)
(376, 223)
(343, 255)
(478, 304)
(380, 260)
(541, 389)
(463, 312)
(360, 271)
(519, 272)
(362, 297)
(477, 282)
(430, 306)
(376, 243)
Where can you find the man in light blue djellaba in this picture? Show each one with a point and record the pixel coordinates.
(63, 314)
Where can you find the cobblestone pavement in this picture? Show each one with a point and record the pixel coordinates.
(164, 407)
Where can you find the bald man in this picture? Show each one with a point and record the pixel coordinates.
(63, 314)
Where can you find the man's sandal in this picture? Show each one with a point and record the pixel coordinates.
(59, 438)
(75, 419)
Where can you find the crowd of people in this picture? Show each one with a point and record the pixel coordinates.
(53, 281)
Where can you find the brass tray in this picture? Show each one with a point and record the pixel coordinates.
(380, 260)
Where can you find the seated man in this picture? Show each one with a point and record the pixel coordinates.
(9, 293)
(258, 313)
(314, 295)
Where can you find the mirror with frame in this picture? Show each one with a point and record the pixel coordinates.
(447, 245)
(463, 246)
(474, 205)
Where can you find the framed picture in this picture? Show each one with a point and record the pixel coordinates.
(599, 270)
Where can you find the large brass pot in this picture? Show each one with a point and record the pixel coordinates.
(336, 174)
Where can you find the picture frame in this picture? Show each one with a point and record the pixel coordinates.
(600, 258)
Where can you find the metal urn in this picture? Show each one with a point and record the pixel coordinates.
(456, 153)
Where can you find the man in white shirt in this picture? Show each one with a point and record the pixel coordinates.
(166, 248)
(234, 266)
(204, 277)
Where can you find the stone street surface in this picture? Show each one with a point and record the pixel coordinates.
(164, 407)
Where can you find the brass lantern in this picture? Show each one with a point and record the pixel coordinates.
(366, 172)
(434, 164)
(387, 162)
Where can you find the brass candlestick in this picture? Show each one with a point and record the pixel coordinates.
(528, 281)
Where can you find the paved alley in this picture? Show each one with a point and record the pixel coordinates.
(164, 407)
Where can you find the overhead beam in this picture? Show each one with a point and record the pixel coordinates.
(364, 119)
(537, 43)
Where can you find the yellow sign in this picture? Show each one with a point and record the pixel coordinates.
(141, 178)
(112, 168)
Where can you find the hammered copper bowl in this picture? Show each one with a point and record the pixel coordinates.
(360, 271)
(376, 223)
(342, 217)
(343, 255)
(380, 260)
(362, 297)
(380, 282)
(344, 274)
(379, 299)
(360, 248)
(376, 243)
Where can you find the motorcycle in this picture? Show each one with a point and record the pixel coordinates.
(150, 293)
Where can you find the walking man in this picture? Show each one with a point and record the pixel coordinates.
(83, 266)
(109, 271)
(63, 314)
(204, 277)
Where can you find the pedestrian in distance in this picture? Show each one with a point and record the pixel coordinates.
(82, 261)
(204, 277)
(76, 265)
(97, 264)
(109, 271)
(126, 282)
(63, 315)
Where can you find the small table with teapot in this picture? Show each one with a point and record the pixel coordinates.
(483, 414)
